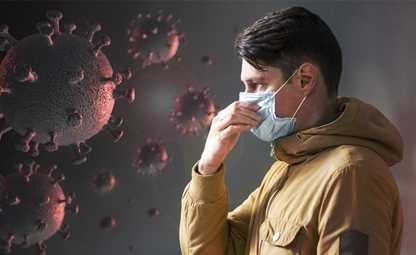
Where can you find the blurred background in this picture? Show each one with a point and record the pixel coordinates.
(378, 41)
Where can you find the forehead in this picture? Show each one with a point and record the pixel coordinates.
(250, 73)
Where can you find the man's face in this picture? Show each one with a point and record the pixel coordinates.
(287, 100)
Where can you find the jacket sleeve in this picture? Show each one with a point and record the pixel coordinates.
(360, 214)
(206, 226)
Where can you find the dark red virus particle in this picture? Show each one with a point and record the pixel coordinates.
(32, 207)
(207, 60)
(153, 39)
(194, 110)
(107, 223)
(58, 88)
(152, 212)
(104, 182)
(151, 158)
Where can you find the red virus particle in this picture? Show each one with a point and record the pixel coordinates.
(152, 212)
(32, 207)
(207, 60)
(104, 182)
(58, 88)
(194, 110)
(107, 223)
(151, 158)
(153, 39)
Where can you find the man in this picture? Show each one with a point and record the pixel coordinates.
(330, 190)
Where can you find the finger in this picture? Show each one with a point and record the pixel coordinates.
(247, 105)
(236, 106)
(251, 114)
(221, 114)
(236, 119)
(235, 129)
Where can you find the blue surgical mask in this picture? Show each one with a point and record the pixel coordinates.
(272, 126)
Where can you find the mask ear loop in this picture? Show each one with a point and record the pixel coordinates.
(300, 105)
(284, 84)
(281, 87)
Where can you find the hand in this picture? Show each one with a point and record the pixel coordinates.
(224, 133)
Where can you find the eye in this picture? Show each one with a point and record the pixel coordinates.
(254, 85)
(259, 86)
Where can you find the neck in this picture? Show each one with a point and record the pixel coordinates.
(330, 113)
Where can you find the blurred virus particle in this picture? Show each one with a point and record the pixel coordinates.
(194, 110)
(107, 223)
(152, 212)
(104, 182)
(151, 158)
(32, 207)
(153, 39)
(131, 248)
(58, 88)
(207, 60)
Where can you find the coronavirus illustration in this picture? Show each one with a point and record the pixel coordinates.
(207, 60)
(104, 182)
(151, 158)
(33, 206)
(153, 212)
(131, 248)
(58, 88)
(107, 223)
(153, 38)
(194, 110)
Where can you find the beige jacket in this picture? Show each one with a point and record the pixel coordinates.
(329, 192)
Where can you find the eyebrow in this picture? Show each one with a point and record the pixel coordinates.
(254, 80)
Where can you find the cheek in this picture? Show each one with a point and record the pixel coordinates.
(284, 105)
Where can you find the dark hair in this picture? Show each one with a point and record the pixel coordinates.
(288, 38)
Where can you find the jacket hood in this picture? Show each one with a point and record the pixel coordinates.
(359, 124)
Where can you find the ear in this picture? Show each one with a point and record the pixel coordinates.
(308, 75)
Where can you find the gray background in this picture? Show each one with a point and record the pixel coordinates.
(377, 38)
